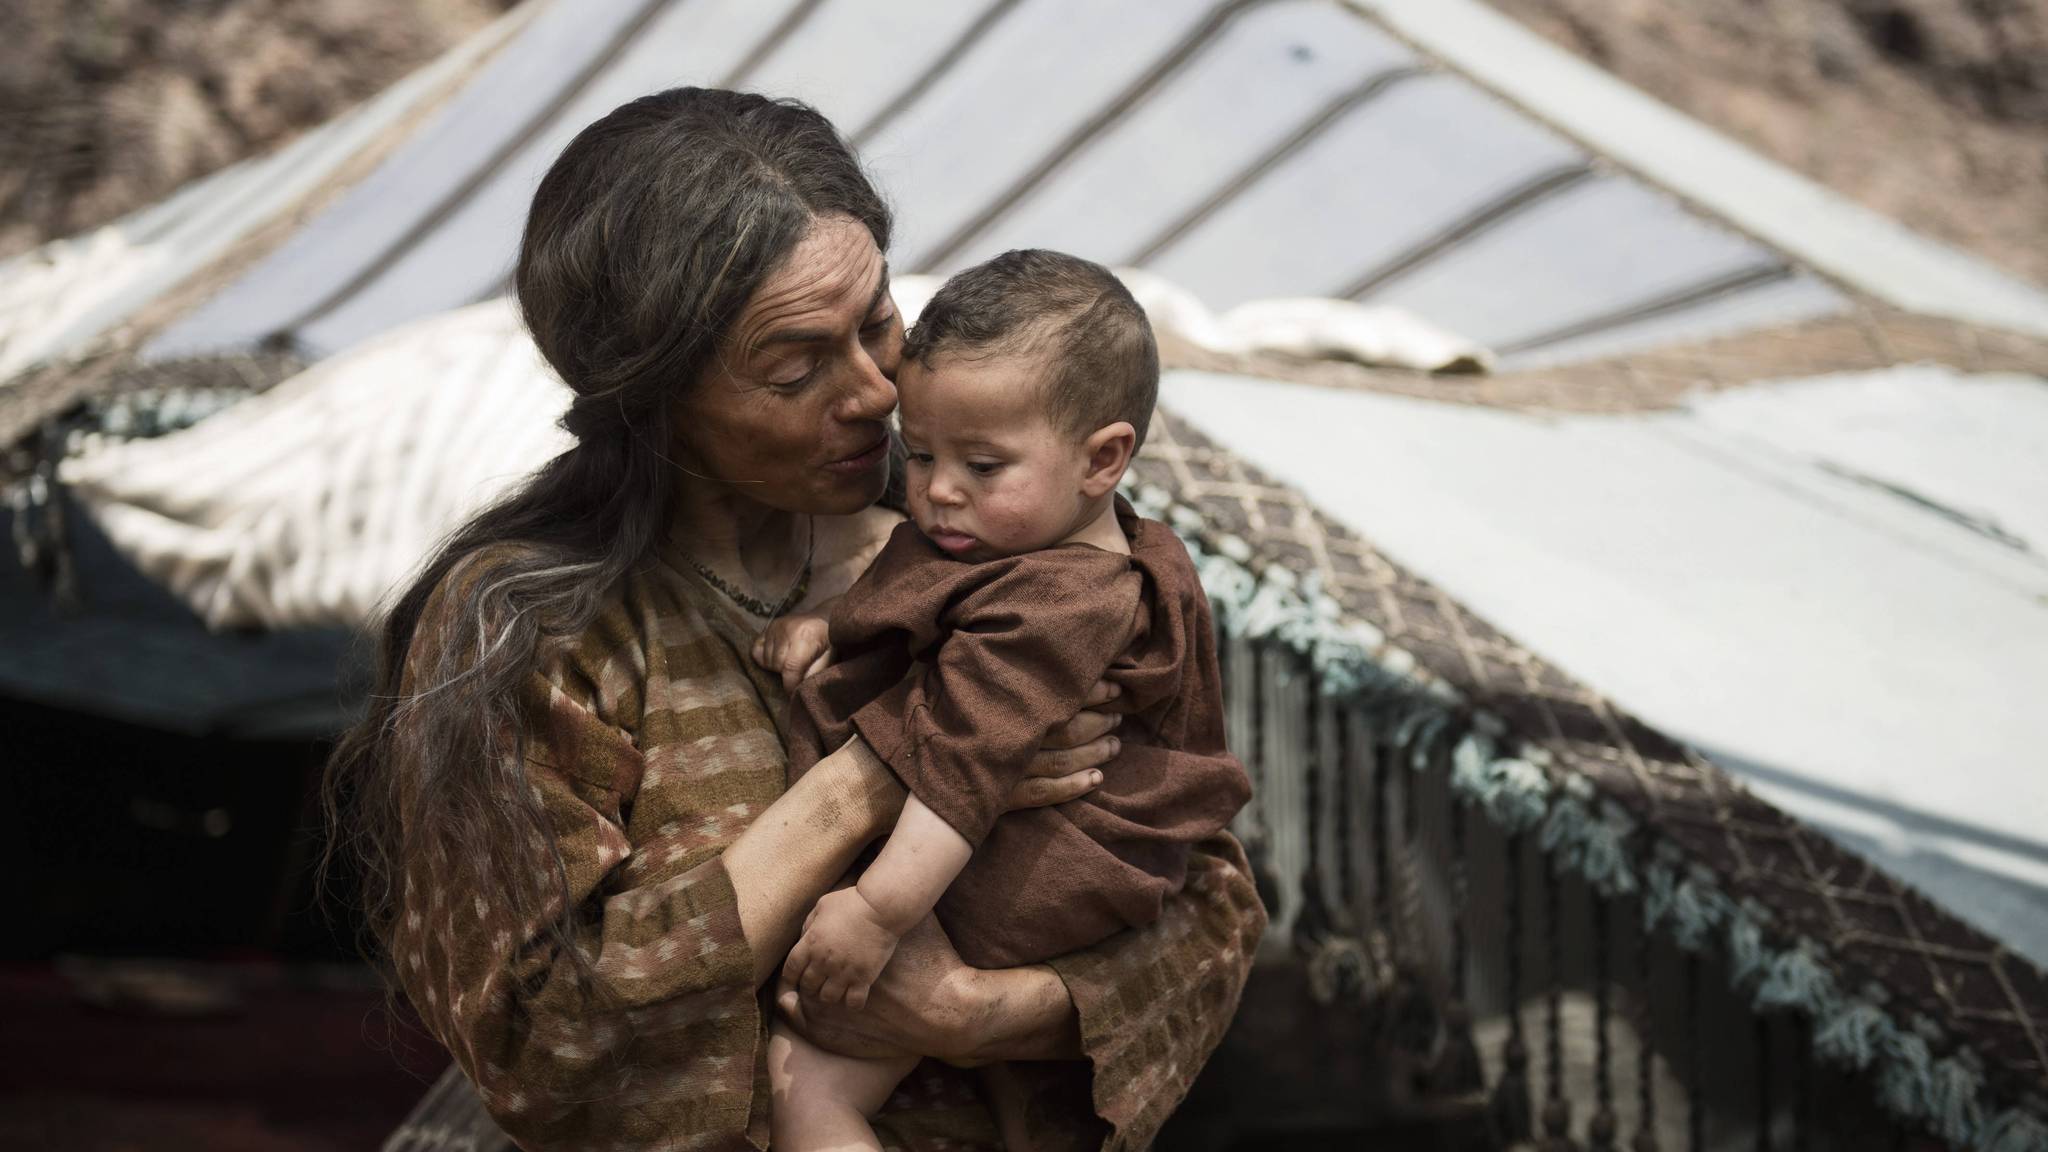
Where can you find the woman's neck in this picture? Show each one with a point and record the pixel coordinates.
(738, 536)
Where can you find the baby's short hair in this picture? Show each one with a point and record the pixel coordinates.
(1090, 329)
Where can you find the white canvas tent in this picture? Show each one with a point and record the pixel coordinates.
(1351, 167)
(1125, 133)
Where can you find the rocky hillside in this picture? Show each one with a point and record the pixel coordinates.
(1931, 111)
(108, 105)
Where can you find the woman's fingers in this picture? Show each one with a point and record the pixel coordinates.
(1085, 726)
(1066, 761)
(1101, 694)
(1088, 724)
(1043, 792)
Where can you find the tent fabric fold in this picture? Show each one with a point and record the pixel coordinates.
(302, 507)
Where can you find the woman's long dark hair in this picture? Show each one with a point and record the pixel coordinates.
(645, 240)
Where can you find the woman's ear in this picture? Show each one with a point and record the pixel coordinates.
(1109, 450)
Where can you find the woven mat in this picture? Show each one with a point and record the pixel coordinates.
(1876, 929)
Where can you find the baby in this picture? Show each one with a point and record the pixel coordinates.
(1020, 582)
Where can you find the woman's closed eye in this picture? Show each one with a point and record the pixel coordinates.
(788, 369)
(796, 383)
(779, 377)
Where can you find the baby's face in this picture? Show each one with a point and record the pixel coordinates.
(990, 474)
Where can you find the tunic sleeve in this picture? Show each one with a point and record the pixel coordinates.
(1154, 1002)
(1021, 653)
(658, 1040)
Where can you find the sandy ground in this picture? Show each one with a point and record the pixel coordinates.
(1934, 112)
(109, 105)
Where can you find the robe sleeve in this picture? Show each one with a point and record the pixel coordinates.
(1020, 654)
(656, 1033)
(1155, 1001)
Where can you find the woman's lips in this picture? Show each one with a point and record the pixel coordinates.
(863, 460)
(950, 541)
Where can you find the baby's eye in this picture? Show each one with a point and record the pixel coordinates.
(983, 467)
(919, 458)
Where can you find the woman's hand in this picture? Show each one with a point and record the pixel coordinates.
(1067, 763)
(928, 1002)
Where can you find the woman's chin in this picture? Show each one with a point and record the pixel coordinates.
(847, 495)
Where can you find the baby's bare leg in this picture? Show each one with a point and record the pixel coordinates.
(823, 1100)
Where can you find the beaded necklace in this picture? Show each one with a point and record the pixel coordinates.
(762, 608)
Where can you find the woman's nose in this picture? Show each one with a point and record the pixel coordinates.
(870, 396)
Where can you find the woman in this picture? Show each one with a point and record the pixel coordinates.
(568, 798)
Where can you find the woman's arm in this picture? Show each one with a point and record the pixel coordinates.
(672, 949)
(1143, 1001)
(803, 843)
(672, 888)
(929, 1002)
(853, 931)
(545, 1019)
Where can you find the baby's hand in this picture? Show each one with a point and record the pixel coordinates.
(797, 645)
(844, 947)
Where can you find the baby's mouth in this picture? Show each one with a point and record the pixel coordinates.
(950, 541)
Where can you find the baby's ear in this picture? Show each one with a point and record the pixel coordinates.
(1109, 450)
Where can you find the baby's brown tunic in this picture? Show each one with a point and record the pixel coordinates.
(954, 671)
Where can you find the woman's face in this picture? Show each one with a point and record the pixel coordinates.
(793, 410)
